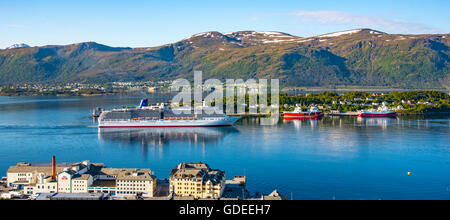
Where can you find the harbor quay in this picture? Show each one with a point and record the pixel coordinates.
(95, 181)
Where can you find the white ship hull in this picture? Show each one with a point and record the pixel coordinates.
(223, 122)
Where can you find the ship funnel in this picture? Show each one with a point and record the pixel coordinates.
(53, 168)
(144, 103)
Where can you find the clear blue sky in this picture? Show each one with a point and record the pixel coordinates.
(150, 23)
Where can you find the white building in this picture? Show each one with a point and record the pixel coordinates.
(136, 182)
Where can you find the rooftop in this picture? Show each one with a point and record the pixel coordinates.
(196, 171)
(104, 184)
(275, 195)
(81, 196)
(37, 169)
(135, 174)
(25, 167)
(81, 177)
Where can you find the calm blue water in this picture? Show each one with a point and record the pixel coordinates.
(340, 158)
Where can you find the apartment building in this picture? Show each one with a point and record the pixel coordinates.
(197, 180)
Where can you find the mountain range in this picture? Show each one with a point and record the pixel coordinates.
(361, 57)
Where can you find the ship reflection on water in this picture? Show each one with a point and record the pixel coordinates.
(379, 122)
(164, 136)
(298, 123)
(342, 122)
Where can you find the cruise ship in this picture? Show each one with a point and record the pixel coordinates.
(161, 116)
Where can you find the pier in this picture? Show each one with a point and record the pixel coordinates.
(250, 115)
(342, 114)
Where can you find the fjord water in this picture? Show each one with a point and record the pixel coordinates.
(332, 158)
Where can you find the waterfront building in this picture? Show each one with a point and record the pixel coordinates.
(275, 195)
(124, 182)
(236, 188)
(81, 178)
(197, 180)
(136, 182)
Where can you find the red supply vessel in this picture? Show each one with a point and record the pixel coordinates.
(313, 113)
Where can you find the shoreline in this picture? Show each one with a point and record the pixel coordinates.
(72, 95)
(353, 114)
(424, 114)
(59, 95)
(360, 89)
(415, 111)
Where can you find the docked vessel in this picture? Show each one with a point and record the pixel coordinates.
(383, 111)
(160, 116)
(312, 113)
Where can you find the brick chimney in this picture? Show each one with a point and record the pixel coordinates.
(53, 168)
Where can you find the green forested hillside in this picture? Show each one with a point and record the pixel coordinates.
(363, 57)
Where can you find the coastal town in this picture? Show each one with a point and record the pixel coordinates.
(84, 89)
(95, 181)
(331, 103)
(350, 103)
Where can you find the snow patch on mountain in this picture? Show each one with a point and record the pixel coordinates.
(375, 32)
(264, 37)
(269, 33)
(337, 34)
(17, 46)
(277, 41)
(206, 34)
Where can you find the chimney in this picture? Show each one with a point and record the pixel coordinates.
(53, 168)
